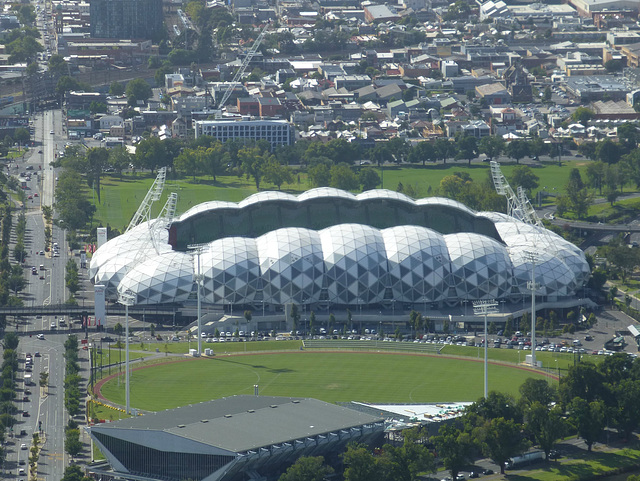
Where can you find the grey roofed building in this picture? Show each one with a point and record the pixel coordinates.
(225, 439)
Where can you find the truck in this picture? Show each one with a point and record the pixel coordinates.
(527, 458)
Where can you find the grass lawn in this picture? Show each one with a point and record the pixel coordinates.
(632, 206)
(582, 465)
(121, 196)
(330, 377)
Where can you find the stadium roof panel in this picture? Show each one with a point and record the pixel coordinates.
(246, 423)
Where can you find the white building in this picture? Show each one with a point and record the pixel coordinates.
(276, 132)
(449, 68)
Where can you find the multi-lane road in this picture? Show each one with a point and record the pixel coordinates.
(43, 408)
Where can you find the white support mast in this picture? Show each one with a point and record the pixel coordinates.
(143, 213)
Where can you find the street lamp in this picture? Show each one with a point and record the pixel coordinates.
(484, 308)
(127, 299)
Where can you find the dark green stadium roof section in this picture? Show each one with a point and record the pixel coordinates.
(245, 423)
(257, 219)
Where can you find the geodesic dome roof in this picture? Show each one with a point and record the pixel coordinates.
(418, 263)
(480, 267)
(231, 271)
(355, 264)
(291, 265)
(137, 240)
(554, 277)
(160, 279)
(351, 262)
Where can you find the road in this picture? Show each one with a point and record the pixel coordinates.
(45, 287)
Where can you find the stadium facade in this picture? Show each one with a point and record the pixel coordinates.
(230, 439)
(327, 247)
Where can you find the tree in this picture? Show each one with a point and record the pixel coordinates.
(116, 89)
(119, 159)
(97, 161)
(595, 174)
(368, 178)
(626, 411)
(276, 173)
(22, 135)
(307, 468)
(523, 176)
(537, 390)
(583, 380)
(546, 423)
(319, 174)
(253, 162)
(501, 439)
(342, 177)
(491, 145)
(360, 463)
(72, 444)
(546, 96)
(73, 473)
(138, 90)
(424, 151)
(44, 379)
(589, 418)
(295, 316)
(467, 147)
(582, 115)
(608, 151)
(118, 329)
(454, 448)
(517, 149)
(613, 65)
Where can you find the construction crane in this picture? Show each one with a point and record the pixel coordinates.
(252, 51)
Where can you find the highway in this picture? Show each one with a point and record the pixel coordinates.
(46, 287)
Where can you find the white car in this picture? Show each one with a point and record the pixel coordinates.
(40, 336)
(23, 447)
(51, 132)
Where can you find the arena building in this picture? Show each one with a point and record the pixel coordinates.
(327, 247)
(230, 439)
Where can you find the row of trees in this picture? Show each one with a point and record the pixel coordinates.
(72, 379)
(8, 377)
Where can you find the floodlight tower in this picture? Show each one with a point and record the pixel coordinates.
(127, 299)
(196, 250)
(532, 256)
(484, 308)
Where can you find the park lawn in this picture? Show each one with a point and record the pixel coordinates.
(331, 377)
(121, 196)
(582, 465)
(632, 206)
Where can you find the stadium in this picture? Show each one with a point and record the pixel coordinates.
(327, 248)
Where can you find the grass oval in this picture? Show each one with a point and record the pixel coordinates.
(331, 377)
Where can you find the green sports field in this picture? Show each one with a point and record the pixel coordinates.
(332, 377)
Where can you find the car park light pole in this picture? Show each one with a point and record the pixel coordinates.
(199, 278)
(484, 308)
